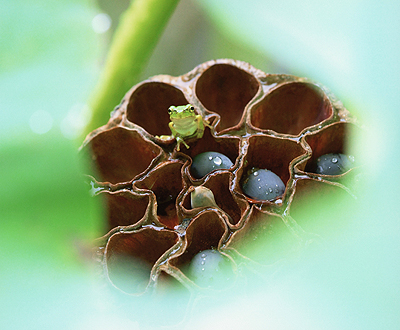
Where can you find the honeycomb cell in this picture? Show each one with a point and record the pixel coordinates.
(232, 204)
(210, 268)
(206, 231)
(124, 207)
(332, 139)
(318, 220)
(130, 256)
(148, 104)
(290, 108)
(209, 161)
(261, 184)
(226, 90)
(226, 145)
(265, 238)
(333, 164)
(270, 153)
(115, 154)
(165, 181)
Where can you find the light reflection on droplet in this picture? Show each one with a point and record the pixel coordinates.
(41, 122)
(217, 161)
(101, 23)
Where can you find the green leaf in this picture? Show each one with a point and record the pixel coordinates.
(46, 209)
(48, 54)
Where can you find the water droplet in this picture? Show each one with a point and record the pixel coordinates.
(101, 23)
(334, 160)
(203, 262)
(202, 269)
(258, 179)
(210, 158)
(351, 158)
(217, 161)
(255, 173)
(203, 255)
(267, 193)
(270, 190)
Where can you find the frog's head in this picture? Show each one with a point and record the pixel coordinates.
(181, 111)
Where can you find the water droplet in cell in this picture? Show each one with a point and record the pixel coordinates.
(255, 173)
(210, 158)
(334, 160)
(203, 255)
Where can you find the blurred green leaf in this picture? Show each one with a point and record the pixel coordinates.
(46, 210)
(48, 53)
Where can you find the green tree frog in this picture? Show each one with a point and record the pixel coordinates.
(185, 123)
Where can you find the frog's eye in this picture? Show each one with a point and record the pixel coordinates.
(169, 111)
(192, 108)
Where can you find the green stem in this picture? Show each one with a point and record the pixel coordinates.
(137, 35)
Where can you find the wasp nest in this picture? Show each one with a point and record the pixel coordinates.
(195, 216)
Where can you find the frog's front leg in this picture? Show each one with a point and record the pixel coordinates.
(176, 135)
(179, 140)
(201, 123)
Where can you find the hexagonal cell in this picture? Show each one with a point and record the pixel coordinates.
(232, 204)
(124, 207)
(148, 106)
(165, 181)
(203, 262)
(290, 108)
(309, 207)
(130, 256)
(271, 153)
(226, 90)
(228, 146)
(332, 139)
(264, 238)
(205, 231)
(120, 154)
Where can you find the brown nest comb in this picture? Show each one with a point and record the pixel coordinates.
(177, 218)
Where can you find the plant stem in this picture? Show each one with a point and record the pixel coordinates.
(137, 35)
